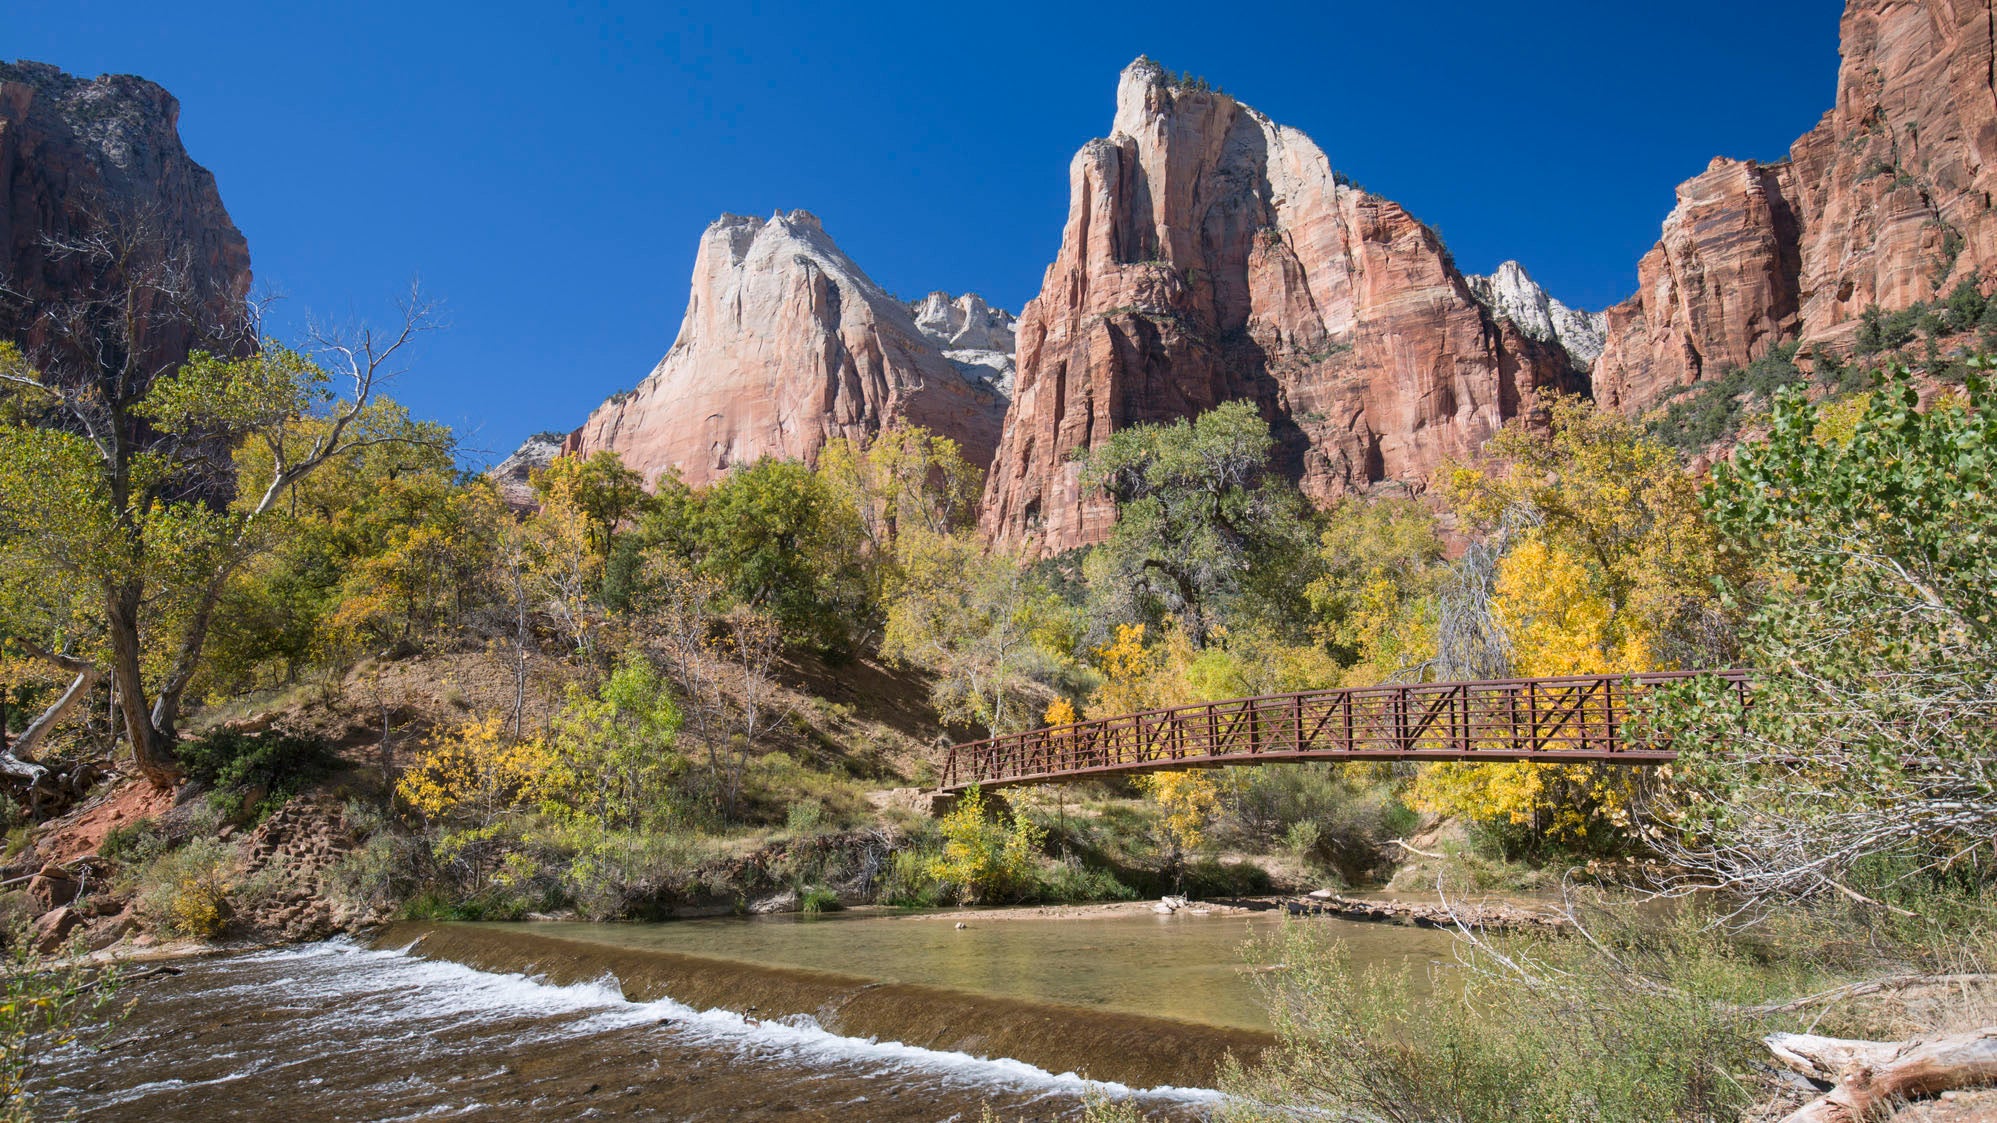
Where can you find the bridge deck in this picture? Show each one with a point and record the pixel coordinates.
(1559, 720)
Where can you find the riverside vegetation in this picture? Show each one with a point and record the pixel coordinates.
(625, 701)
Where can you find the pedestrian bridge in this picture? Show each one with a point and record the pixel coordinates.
(1551, 720)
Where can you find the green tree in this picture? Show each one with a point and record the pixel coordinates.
(615, 756)
(114, 482)
(985, 624)
(774, 537)
(1867, 752)
(1203, 527)
(605, 490)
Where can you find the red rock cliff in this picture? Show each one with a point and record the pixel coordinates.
(1211, 254)
(1887, 201)
(77, 156)
(785, 345)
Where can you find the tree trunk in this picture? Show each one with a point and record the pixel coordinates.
(152, 750)
(1872, 1076)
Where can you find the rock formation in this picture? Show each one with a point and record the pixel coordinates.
(1886, 202)
(514, 475)
(101, 158)
(1211, 254)
(972, 334)
(785, 345)
(1510, 293)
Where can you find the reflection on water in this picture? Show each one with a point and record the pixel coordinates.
(336, 1031)
(1179, 966)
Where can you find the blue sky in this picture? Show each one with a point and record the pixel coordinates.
(546, 169)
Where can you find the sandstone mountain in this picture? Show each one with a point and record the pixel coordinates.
(973, 335)
(101, 159)
(1211, 254)
(514, 476)
(786, 344)
(1886, 202)
(1510, 293)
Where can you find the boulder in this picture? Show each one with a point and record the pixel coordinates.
(53, 929)
(52, 886)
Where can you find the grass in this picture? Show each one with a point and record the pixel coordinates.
(1551, 1029)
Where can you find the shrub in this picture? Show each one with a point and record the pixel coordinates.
(1571, 1038)
(1070, 880)
(909, 882)
(186, 891)
(984, 860)
(46, 1002)
(255, 773)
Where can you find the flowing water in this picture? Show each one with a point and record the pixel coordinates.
(863, 1018)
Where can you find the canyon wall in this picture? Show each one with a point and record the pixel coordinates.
(1211, 254)
(100, 161)
(787, 344)
(1886, 202)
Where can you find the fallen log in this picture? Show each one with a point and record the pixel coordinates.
(1422, 914)
(1873, 1076)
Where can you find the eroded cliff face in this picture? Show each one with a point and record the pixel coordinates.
(1211, 254)
(1886, 202)
(787, 344)
(1512, 294)
(84, 159)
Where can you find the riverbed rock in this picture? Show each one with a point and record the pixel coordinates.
(52, 886)
(1211, 254)
(1886, 202)
(1489, 915)
(53, 929)
(787, 344)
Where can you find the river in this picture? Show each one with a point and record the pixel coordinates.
(854, 1017)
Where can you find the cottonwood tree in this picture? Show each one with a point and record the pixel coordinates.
(1869, 752)
(116, 468)
(1199, 515)
(977, 621)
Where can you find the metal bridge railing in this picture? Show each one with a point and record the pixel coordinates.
(1573, 718)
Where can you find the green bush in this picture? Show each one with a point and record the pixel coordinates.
(187, 891)
(908, 882)
(1069, 880)
(986, 860)
(253, 774)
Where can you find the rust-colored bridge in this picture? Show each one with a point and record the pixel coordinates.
(1558, 720)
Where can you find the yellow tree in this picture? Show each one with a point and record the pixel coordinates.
(565, 569)
(1610, 568)
(600, 489)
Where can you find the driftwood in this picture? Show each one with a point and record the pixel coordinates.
(1872, 1076)
(1422, 914)
(17, 762)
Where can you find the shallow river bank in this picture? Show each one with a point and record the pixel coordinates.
(890, 1017)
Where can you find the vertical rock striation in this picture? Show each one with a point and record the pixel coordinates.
(1886, 202)
(89, 158)
(1211, 254)
(786, 344)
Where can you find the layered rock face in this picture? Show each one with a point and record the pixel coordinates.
(1211, 254)
(972, 334)
(514, 476)
(1886, 202)
(1509, 292)
(101, 159)
(787, 344)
